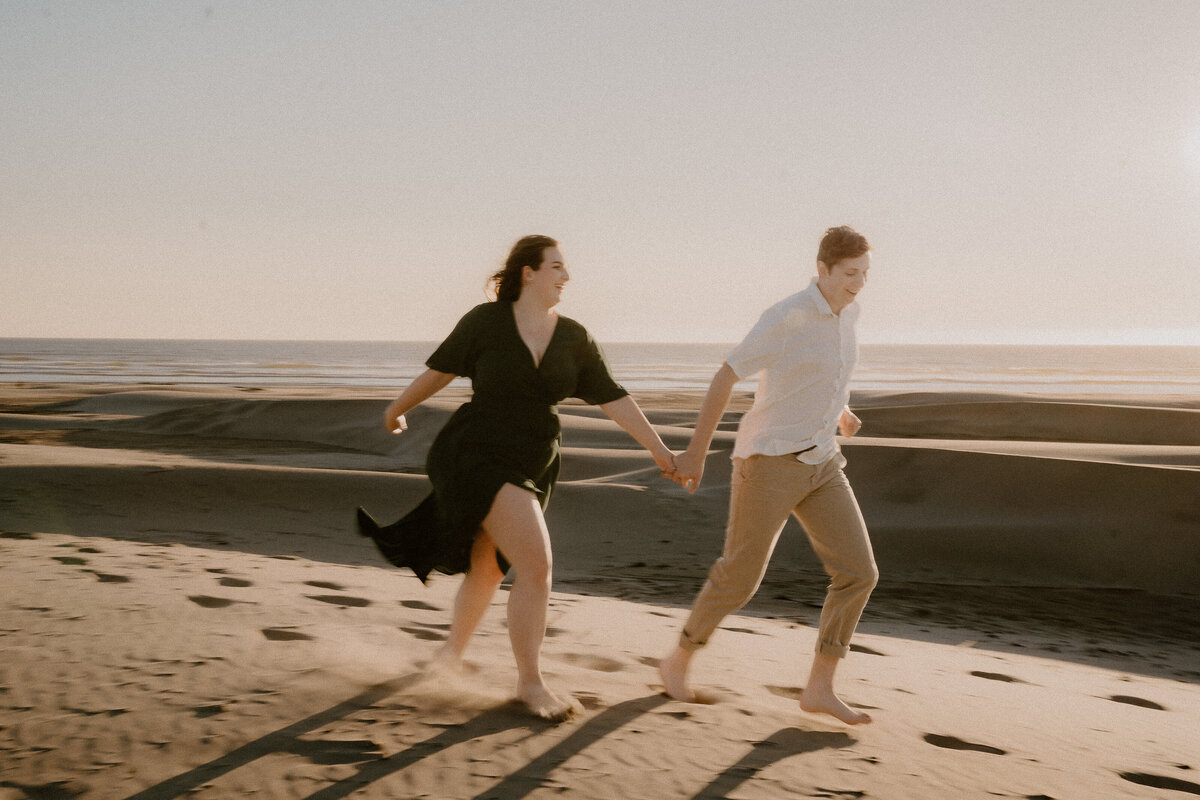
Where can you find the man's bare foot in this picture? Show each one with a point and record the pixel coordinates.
(673, 670)
(816, 701)
(547, 705)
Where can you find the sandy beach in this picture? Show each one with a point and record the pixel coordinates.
(186, 610)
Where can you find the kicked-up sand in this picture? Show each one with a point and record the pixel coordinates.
(186, 611)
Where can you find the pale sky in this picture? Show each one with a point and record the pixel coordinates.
(1027, 171)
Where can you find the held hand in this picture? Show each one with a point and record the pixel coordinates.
(689, 470)
(848, 424)
(666, 463)
(394, 421)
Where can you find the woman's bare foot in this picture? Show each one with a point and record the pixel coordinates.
(547, 705)
(816, 701)
(446, 662)
(673, 670)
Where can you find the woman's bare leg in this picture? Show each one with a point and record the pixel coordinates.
(474, 597)
(516, 526)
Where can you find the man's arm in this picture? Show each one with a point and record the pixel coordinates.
(690, 465)
(848, 423)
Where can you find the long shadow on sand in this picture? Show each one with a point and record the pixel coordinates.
(518, 784)
(284, 740)
(782, 744)
(506, 717)
(533, 775)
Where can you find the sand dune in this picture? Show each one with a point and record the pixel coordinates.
(1015, 416)
(187, 612)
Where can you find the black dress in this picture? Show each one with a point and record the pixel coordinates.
(507, 433)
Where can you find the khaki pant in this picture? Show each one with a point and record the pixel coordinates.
(765, 489)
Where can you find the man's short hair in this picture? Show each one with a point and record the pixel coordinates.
(841, 243)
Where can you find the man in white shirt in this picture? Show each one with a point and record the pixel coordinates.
(786, 460)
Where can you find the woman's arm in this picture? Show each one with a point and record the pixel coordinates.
(427, 384)
(626, 413)
(690, 464)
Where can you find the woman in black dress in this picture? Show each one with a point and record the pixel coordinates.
(494, 464)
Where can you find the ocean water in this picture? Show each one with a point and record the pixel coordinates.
(1035, 369)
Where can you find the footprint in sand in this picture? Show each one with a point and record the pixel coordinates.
(88, 712)
(743, 630)
(208, 711)
(285, 635)
(236, 582)
(589, 701)
(105, 577)
(598, 663)
(339, 751)
(419, 605)
(996, 676)
(954, 743)
(424, 634)
(1135, 701)
(70, 560)
(340, 600)
(335, 587)
(1161, 782)
(17, 535)
(860, 648)
(205, 601)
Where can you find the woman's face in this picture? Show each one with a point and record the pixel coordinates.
(546, 283)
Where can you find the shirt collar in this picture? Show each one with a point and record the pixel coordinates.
(814, 292)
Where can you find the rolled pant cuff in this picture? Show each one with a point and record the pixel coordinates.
(835, 650)
(689, 645)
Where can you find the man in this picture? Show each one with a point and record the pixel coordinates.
(786, 460)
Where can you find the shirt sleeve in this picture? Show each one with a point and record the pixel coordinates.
(595, 384)
(760, 347)
(458, 353)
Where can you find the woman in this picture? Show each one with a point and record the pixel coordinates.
(494, 464)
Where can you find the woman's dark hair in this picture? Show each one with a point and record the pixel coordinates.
(527, 252)
(841, 243)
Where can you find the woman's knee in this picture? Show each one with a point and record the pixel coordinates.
(484, 565)
(538, 571)
(517, 529)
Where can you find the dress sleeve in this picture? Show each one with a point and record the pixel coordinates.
(595, 384)
(458, 353)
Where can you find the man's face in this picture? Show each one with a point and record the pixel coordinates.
(842, 282)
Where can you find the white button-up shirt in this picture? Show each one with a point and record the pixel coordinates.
(805, 354)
